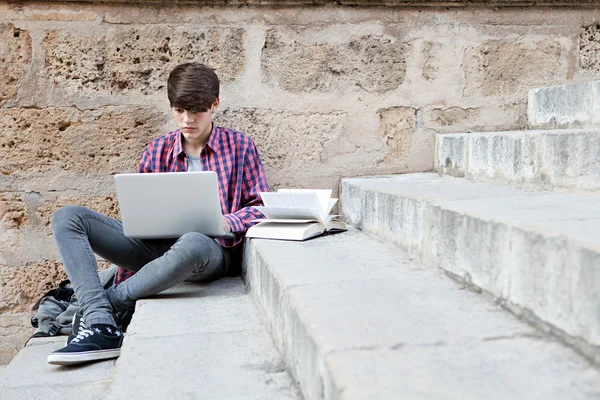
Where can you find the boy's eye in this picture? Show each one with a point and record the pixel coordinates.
(179, 110)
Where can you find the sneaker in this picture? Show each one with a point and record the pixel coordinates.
(78, 326)
(99, 342)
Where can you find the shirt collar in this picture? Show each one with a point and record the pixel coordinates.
(213, 141)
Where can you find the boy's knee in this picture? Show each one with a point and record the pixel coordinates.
(193, 245)
(194, 239)
(66, 214)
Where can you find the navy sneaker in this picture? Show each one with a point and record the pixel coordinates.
(99, 342)
(78, 326)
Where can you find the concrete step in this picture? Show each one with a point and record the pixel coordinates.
(566, 106)
(199, 341)
(29, 376)
(539, 252)
(356, 318)
(549, 159)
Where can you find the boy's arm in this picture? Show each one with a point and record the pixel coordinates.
(253, 182)
(145, 164)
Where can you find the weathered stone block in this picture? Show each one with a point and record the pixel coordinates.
(589, 48)
(396, 127)
(13, 211)
(429, 62)
(104, 140)
(76, 61)
(107, 205)
(112, 139)
(22, 286)
(568, 106)
(287, 141)
(15, 55)
(503, 68)
(488, 117)
(139, 59)
(372, 63)
(15, 329)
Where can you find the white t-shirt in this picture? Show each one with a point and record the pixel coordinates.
(193, 164)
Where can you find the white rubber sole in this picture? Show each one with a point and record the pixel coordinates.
(82, 357)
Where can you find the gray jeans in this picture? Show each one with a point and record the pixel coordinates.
(160, 264)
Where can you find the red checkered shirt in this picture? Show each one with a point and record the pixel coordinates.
(234, 157)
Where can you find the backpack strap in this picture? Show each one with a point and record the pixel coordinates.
(62, 292)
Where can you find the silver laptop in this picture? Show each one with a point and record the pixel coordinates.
(169, 204)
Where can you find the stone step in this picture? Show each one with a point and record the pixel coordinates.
(537, 251)
(356, 318)
(29, 376)
(567, 106)
(200, 341)
(549, 159)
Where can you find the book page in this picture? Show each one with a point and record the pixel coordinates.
(323, 196)
(330, 205)
(290, 213)
(284, 221)
(291, 200)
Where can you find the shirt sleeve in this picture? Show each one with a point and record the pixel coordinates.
(254, 181)
(145, 164)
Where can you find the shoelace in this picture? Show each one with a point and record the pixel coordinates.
(82, 326)
(82, 335)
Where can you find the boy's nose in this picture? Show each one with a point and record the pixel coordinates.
(187, 117)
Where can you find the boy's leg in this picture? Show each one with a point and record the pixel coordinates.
(193, 257)
(79, 233)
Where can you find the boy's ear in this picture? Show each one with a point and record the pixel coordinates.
(215, 104)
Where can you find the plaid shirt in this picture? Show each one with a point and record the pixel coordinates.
(234, 157)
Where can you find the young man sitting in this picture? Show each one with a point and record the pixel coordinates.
(151, 266)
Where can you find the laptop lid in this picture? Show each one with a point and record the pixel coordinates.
(169, 204)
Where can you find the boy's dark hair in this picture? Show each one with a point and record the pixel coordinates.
(193, 87)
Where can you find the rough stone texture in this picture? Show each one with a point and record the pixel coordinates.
(540, 159)
(139, 59)
(396, 127)
(533, 250)
(105, 140)
(429, 66)
(589, 46)
(328, 303)
(23, 286)
(566, 106)
(15, 55)
(489, 117)
(287, 141)
(371, 63)
(500, 68)
(13, 211)
(15, 329)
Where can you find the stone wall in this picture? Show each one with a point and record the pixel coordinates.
(325, 91)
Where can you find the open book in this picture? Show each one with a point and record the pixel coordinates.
(296, 214)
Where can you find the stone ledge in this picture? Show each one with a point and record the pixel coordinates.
(388, 3)
(538, 159)
(357, 318)
(534, 251)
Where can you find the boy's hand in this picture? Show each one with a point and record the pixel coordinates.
(226, 227)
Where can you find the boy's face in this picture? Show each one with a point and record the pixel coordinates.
(194, 125)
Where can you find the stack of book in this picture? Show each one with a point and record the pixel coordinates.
(296, 214)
